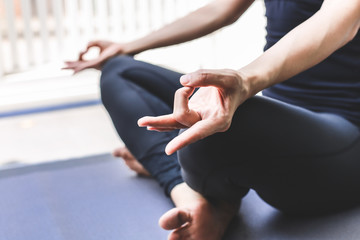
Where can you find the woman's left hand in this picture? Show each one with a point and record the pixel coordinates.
(208, 111)
(107, 49)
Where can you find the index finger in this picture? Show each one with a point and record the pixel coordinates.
(182, 113)
(165, 121)
(70, 65)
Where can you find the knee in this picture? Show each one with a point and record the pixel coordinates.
(206, 155)
(110, 80)
(106, 85)
(193, 172)
(209, 175)
(200, 165)
(114, 66)
(207, 167)
(116, 62)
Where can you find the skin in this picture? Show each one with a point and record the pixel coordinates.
(131, 161)
(194, 217)
(334, 25)
(211, 108)
(203, 21)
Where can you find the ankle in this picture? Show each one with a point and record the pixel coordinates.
(182, 195)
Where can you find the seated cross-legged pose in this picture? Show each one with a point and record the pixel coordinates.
(297, 146)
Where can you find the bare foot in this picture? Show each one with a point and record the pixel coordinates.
(131, 161)
(195, 218)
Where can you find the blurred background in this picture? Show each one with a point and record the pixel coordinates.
(49, 114)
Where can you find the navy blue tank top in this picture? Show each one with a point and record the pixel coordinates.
(332, 86)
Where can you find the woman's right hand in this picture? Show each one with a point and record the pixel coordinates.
(107, 49)
(208, 111)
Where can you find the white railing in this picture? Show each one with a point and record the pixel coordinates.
(34, 32)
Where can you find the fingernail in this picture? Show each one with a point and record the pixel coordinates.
(168, 150)
(184, 79)
(139, 122)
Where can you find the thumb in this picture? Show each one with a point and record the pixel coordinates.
(203, 78)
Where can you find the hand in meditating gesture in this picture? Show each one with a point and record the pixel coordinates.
(107, 50)
(208, 111)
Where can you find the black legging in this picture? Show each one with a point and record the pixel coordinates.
(297, 160)
(131, 89)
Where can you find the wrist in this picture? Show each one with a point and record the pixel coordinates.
(132, 48)
(182, 195)
(252, 80)
(127, 49)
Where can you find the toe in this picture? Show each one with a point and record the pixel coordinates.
(119, 152)
(182, 233)
(137, 167)
(116, 153)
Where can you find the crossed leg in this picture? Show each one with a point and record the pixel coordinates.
(131, 89)
(270, 147)
(299, 161)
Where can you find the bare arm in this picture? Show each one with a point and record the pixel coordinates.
(203, 21)
(334, 25)
(211, 108)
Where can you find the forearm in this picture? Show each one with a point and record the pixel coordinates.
(334, 25)
(203, 21)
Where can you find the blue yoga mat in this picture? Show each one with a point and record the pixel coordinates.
(98, 198)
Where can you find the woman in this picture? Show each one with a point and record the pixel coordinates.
(298, 146)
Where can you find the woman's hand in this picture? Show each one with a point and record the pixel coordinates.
(209, 110)
(107, 50)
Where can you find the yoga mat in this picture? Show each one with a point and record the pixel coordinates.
(98, 198)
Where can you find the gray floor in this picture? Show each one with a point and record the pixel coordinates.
(53, 135)
(56, 135)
